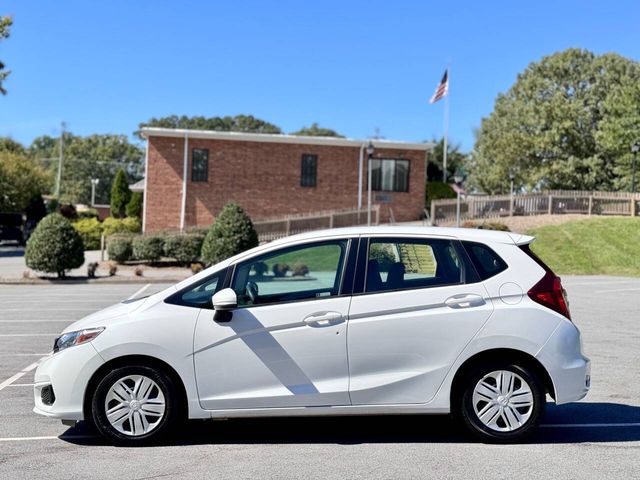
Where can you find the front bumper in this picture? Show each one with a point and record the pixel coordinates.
(68, 372)
(569, 369)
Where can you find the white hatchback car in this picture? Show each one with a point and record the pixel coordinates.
(379, 320)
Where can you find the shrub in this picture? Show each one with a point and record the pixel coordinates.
(54, 246)
(231, 234)
(280, 269)
(119, 247)
(88, 213)
(90, 229)
(68, 210)
(134, 207)
(438, 190)
(148, 247)
(120, 195)
(300, 270)
(486, 226)
(185, 248)
(125, 225)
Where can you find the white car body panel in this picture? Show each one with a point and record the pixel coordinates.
(395, 352)
(278, 359)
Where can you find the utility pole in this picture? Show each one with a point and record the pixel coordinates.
(63, 125)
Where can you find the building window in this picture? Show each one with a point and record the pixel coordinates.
(389, 175)
(200, 165)
(309, 168)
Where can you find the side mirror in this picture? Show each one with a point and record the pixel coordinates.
(223, 303)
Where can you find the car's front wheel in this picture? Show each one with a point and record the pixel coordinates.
(135, 405)
(502, 402)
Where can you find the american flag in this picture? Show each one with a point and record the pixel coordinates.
(443, 88)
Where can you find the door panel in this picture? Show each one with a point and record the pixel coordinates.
(401, 343)
(285, 345)
(270, 357)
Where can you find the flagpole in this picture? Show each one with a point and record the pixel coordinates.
(446, 129)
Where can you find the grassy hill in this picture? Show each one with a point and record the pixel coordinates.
(608, 246)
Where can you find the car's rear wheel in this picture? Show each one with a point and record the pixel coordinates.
(502, 402)
(135, 405)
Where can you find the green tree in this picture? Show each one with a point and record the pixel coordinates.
(5, 24)
(238, 123)
(560, 125)
(120, 195)
(231, 233)
(455, 159)
(8, 144)
(134, 207)
(21, 180)
(54, 246)
(316, 131)
(93, 156)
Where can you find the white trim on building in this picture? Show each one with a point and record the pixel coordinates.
(280, 138)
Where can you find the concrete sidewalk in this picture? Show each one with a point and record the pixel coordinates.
(13, 269)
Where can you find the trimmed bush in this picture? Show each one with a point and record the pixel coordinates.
(148, 247)
(119, 247)
(121, 225)
(90, 229)
(184, 248)
(231, 234)
(120, 195)
(134, 207)
(54, 246)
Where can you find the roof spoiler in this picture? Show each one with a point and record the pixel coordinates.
(519, 239)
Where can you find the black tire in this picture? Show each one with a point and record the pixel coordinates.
(166, 423)
(464, 408)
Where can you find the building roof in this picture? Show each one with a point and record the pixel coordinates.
(138, 186)
(281, 138)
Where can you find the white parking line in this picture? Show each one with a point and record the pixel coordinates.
(18, 375)
(52, 437)
(28, 334)
(21, 385)
(21, 373)
(619, 290)
(554, 425)
(139, 291)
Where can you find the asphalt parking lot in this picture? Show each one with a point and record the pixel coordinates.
(598, 437)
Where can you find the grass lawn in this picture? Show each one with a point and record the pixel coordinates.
(608, 246)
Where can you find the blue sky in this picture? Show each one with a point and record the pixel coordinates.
(103, 67)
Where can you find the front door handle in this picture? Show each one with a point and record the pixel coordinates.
(323, 319)
(464, 300)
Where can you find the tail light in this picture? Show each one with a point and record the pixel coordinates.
(549, 293)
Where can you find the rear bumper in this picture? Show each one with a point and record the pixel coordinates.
(569, 369)
(68, 373)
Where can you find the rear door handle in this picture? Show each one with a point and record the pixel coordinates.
(464, 300)
(323, 319)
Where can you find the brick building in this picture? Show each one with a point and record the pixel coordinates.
(192, 174)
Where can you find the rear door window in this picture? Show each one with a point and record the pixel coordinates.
(407, 263)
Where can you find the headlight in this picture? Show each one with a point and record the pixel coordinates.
(78, 337)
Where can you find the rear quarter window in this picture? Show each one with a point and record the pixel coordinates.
(486, 262)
